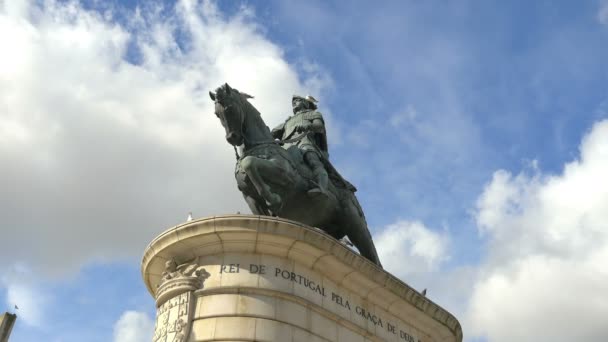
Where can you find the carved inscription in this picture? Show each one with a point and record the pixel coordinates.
(300, 279)
(320, 290)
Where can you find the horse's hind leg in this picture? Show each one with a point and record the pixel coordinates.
(254, 205)
(357, 231)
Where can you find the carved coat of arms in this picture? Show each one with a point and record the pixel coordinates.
(176, 302)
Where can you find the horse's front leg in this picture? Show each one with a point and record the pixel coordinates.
(256, 167)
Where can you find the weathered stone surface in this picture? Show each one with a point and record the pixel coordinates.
(259, 278)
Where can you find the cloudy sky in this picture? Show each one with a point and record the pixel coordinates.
(476, 132)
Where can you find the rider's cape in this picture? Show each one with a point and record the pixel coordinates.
(335, 176)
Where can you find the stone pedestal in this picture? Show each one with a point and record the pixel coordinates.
(257, 278)
(7, 320)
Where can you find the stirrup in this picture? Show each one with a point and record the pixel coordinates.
(314, 192)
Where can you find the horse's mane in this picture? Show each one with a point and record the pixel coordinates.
(243, 99)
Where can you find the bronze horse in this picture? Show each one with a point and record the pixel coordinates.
(275, 181)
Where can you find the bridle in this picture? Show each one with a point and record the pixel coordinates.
(241, 131)
(251, 145)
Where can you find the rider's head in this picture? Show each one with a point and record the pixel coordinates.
(300, 103)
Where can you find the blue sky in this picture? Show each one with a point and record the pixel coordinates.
(475, 131)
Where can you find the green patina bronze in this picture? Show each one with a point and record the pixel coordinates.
(287, 172)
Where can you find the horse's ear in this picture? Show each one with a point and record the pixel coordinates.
(212, 95)
(228, 89)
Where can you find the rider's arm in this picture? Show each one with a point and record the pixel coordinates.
(277, 132)
(317, 126)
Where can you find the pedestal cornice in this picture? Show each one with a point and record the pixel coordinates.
(309, 247)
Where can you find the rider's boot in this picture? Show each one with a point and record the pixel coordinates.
(322, 180)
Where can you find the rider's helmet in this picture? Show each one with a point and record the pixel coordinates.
(311, 102)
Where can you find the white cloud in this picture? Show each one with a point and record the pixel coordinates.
(418, 256)
(99, 155)
(22, 291)
(133, 326)
(602, 13)
(546, 275)
(408, 247)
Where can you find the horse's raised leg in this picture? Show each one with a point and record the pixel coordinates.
(254, 168)
(357, 230)
(255, 206)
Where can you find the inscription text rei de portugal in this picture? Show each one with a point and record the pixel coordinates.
(318, 289)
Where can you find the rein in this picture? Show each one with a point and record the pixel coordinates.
(252, 145)
(298, 138)
(255, 145)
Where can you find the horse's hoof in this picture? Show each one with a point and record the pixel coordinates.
(274, 201)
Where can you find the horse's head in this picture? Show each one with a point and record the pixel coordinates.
(229, 109)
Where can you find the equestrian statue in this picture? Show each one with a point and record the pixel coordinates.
(286, 172)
